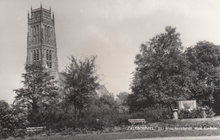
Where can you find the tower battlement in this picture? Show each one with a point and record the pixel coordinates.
(41, 39)
(41, 15)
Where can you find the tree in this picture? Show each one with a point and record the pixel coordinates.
(204, 59)
(10, 120)
(81, 83)
(134, 103)
(122, 98)
(102, 112)
(162, 75)
(5, 116)
(38, 93)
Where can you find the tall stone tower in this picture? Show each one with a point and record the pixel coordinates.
(41, 40)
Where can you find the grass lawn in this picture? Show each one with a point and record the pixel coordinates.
(126, 135)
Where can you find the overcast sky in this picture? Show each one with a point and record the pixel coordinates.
(110, 29)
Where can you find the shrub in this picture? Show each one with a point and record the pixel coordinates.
(11, 119)
(185, 114)
(20, 133)
(209, 112)
(149, 114)
(67, 131)
(156, 114)
(5, 132)
(197, 113)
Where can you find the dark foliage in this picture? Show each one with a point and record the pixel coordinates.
(38, 95)
(185, 114)
(162, 75)
(12, 121)
(80, 84)
(204, 60)
(165, 74)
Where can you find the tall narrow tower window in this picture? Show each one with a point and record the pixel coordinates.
(33, 34)
(37, 34)
(50, 55)
(49, 34)
(46, 33)
(35, 31)
(47, 55)
(38, 55)
(34, 52)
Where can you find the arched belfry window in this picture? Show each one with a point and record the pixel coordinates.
(47, 54)
(38, 55)
(49, 58)
(50, 55)
(34, 52)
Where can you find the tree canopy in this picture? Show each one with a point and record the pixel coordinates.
(81, 83)
(204, 61)
(37, 94)
(165, 73)
(161, 75)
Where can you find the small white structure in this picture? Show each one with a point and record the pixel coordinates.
(35, 129)
(187, 105)
(175, 114)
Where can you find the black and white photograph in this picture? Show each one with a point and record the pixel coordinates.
(110, 69)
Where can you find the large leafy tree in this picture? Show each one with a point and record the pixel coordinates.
(162, 74)
(10, 119)
(7, 120)
(38, 93)
(81, 82)
(204, 59)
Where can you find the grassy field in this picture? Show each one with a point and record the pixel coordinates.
(125, 135)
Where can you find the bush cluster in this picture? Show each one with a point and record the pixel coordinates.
(12, 120)
(196, 113)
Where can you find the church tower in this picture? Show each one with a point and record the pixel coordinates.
(41, 40)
